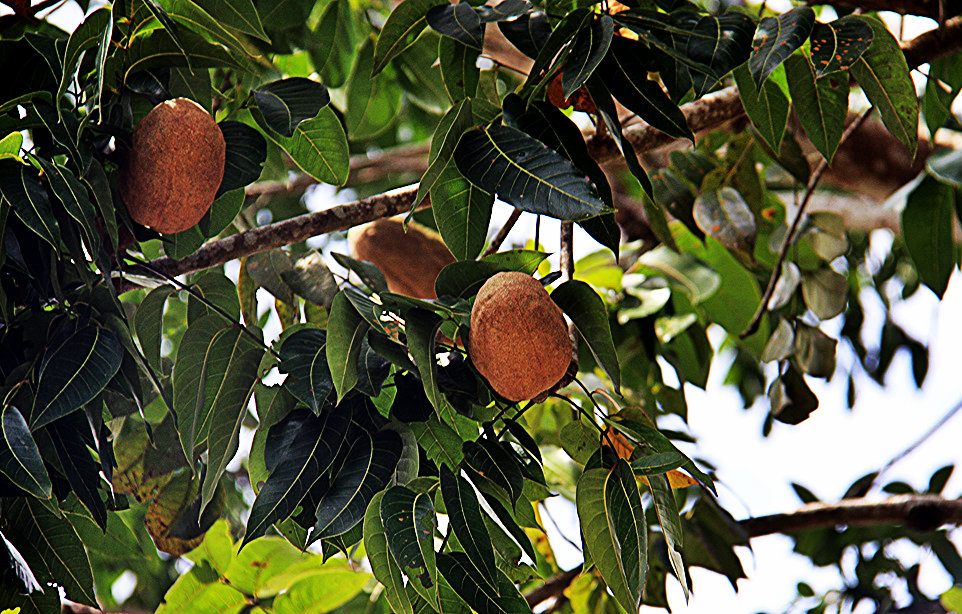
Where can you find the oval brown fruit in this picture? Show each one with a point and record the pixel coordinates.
(519, 340)
(409, 260)
(171, 173)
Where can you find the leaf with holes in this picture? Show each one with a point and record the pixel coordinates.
(614, 530)
(839, 44)
(776, 38)
(821, 105)
(883, 75)
(726, 216)
(525, 173)
(409, 523)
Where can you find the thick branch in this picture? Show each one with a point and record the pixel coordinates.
(706, 113)
(921, 512)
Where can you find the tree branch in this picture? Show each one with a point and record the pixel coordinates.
(706, 113)
(920, 512)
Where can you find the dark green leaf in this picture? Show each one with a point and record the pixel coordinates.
(883, 75)
(453, 124)
(667, 511)
(614, 530)
(766, 108)
(441, 443)
(458, 68)
(525, 173)
(421, 328)
(73, 373)
(368, 467)
(776, 38)
(19, 456)
(582, 304)
(192, 16)
(504, 10)
(401, 29)
(345, 331)
(237, 14)
(646, 435)
(720, 43)
(70, 439)
(457, 569)
(383, 565)
(941, 89)
(490, 461)
(562, 34)
(507, 523)
(409, 522)
(86, 35)
(158, 47)
(335, 41)
(927, 223)
(814, 351)
(458, 21)
(288, 102)
(587, 52)
(791, 399)
(822, 105)
(726, 216)
(149, 324)
(21, 187)
(528, 33)
(627, 80)
(245, 155)
(217, 291)
(304, 359)
(839, 44)
(301, 449)
(464, 513)
(657, 463)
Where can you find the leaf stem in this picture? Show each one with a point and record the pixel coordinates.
(503, 233)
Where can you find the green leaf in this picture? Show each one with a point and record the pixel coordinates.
(720, 43)
(335, 42)
(321, 589)
(345, 331)
(372, 276)
(245, 155)
(825, 292)
(941, 89)
(73, 373)
(489, 461)
(528, 33)
(401, 29)
(367, 469)
(157, 47)
(88, 34)
(453, 124)
(21, 187)
(240, 15)
(614, 530)
(459, 22)
(464, 513)
(546, 52)
(508, 524)
(667, 511)
(776, 38)
(231, 372)
(791, 399)
(927, 223)
(188, 13)
(421, 327)
(149, 324)
(883, 75)
(838, 45)
(304, 359)
(725, 216)
(217, 290)
(73, 196)
(10, 146)
(221, 213)
(19, 456)
(684, 271)
(582, 304)
(650, 437)
(822, 105)
(385, 568)
(459, 68)
(766, 108)
(372, 101)
(627, 79)
(588, 50)
(288, 102)
(462, 213)
(318, 147)
(409, 522)
(525, 173)
(73, 454)
(504, 598)
(51, 547)
(441, 443)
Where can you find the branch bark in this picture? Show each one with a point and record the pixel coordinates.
(706, 113)
(921, 512)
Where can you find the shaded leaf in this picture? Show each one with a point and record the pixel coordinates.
(459, 21)
(304, 359)
(927, 223)
(459, 68)
(19, 456)
(345, 332)
(791, 399)
(457, 569)
(464, 513)
(385, 568)
(726, 216)
(287, 102)
(528, 33)
(582, 304)
(720, 43)
(409, 522)
(21, 187)
(421, 329)
(245, 155)
(453, 124)
(825, 292)
(372, 102)
(588, 50)
(839, 44)
(767, 108)
(821, 105)
(776, 38)
(401, 29)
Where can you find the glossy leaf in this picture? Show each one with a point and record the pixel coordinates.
(346, 330)
(304, 447)
(507, 523)
(458, 68)
(462, 213)
(588, 50)
(287, 102)
(238, 14)
(883, 75)
(525, 173)
(487, 459)
(582, 304)
(839, 44)
(409, 522)
(453, 124)
(73, 373)
(528, 33)
(457, 569)
(627, 79)
(614, 530)
(927, 223)
(367, 468)
(464, 513)
(720, 43)
(385, 568)
(245, 155)
(558, 38)
(458, 21)
(421, 329)
(20, 186)
(19, 456)
(304, 359)
(822, 105)
(318, 146)
(776, 38)
(767, 108)
(401, 29)
(726, 216)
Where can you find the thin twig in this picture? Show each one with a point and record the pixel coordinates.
(503, 233)
(796, 222)
(925, 436)
(567, 274)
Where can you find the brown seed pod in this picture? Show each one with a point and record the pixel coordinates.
(519, 340)
(409, 260)
(171, 173)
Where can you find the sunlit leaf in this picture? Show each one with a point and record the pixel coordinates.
(821, 105)
(346, 330)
